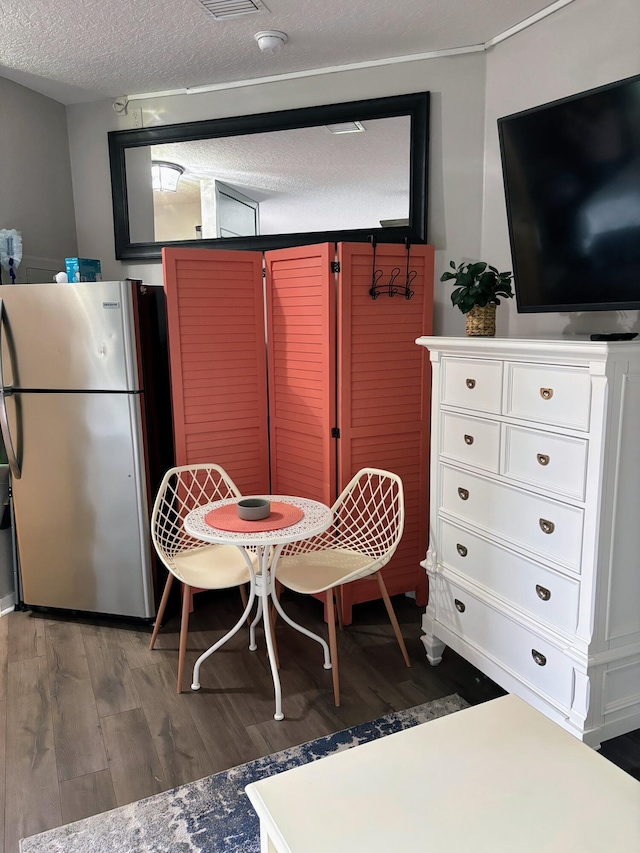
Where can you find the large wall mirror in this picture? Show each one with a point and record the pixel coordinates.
(320, 174)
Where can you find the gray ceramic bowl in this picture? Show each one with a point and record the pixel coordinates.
(253, 509)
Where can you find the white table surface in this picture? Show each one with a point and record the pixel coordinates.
(496, 778)
(316, 519)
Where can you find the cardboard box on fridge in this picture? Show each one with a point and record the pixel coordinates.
(83, 269)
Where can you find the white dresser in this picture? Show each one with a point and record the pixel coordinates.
(534, 544)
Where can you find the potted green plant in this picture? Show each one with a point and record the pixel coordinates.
(479, 287)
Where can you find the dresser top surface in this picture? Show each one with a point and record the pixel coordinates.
(578, 347)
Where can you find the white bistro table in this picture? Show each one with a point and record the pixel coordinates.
(266, 545)
(496, 778)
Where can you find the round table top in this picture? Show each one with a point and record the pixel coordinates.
(316, 519)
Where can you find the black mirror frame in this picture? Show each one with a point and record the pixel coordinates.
(414, 105)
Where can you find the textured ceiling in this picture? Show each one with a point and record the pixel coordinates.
(85, 50)
(277, 162)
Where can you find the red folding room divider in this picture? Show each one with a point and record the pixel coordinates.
(348, 387)
(217, 353)
(301, 331)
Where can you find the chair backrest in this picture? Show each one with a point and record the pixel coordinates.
(182, 489)
(368, 517)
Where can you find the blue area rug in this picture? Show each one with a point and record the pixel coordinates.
(214, 815)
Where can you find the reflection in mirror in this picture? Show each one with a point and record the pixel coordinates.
(338, 172)
(287, 180)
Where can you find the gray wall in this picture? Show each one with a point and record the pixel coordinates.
(586, 44)
(36, 194)
(36, 198)
(457, 127)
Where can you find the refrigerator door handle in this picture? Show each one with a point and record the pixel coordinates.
(6, 391)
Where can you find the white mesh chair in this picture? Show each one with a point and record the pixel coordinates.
(368, 520)
(197, 566)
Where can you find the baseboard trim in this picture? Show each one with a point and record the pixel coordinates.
(7, 604)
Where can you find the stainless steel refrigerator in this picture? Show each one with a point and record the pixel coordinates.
(85, 418)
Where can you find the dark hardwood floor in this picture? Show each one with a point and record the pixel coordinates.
(90, 720)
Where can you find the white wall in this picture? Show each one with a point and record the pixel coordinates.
(456, 158)
(177, 221)
(35, 174)
(588, 43)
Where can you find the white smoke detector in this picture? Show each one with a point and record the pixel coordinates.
(270, 41)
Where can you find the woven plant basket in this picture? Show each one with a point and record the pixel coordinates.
(481, 320)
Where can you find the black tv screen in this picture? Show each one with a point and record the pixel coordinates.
(572, 183)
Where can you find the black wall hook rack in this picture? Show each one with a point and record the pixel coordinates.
(392, 287)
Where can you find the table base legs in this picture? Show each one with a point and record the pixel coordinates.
(303, 630)
(266, 615)
(252, 628)
(196, 669)
(263, 586)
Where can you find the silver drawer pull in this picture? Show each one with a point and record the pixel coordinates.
(462, 550)
(538, 657)
(471, 383)
(543, 592)
(542, 458)
(545, 526)
(546, 393)
(460, 605)
(468, 439)
(463, 494)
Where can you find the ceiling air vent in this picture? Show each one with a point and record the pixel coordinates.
(346, 127)
(232, 8)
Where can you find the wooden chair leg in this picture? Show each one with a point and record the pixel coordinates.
(273, 612)
(392, 617)
(333, 647)
(161, 609)
(339, 607)
(184, 630)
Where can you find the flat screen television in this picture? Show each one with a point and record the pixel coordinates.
(572, 183)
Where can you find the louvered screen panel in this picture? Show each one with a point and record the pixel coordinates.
(218, 370)
(383, 393)
(301, 335)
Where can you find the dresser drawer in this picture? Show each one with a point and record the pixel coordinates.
(548, 528)
(518, 649)
(555, 462)
(546, 595)
(549, 394)
(473, 441)
(472, 383)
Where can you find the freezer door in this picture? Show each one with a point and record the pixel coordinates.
(69, 336)
(80, 505)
